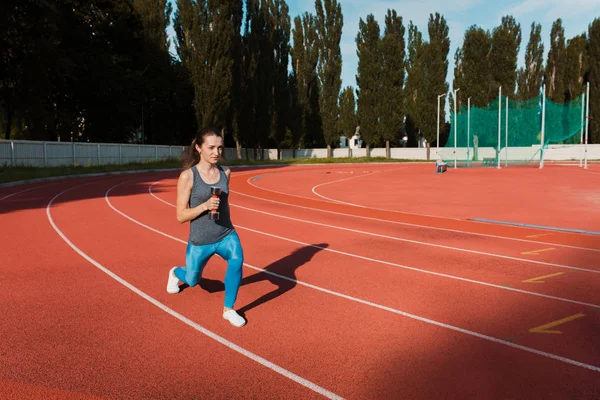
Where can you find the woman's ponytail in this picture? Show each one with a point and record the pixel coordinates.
(190, 156)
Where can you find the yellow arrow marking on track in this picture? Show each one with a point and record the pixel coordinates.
(539, 235)
(543, 328)
(537, 280)
(537, 251)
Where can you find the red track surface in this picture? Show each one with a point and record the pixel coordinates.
(362, 303)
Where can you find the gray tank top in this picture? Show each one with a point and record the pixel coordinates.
(202, 229)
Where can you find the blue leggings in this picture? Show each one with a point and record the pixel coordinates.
(196, 257)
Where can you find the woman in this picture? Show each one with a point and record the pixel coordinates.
(208, 236)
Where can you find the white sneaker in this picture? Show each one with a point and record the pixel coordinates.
(173, 282)
(234, 318)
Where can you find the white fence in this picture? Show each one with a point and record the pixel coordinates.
(24, 153)
(50, 154)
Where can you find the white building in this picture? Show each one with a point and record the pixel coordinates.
(355, 141)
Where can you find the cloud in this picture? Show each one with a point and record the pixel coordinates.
(554, 9)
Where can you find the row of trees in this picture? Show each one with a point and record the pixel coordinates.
(91, 70)
(100, 70)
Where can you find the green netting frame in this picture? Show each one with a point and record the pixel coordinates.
(479, 147)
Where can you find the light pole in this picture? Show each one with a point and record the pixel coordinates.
(455, 91)
(587, 123)
(468, 131)
(438, 123)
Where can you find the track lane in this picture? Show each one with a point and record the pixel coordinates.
(130, 261)
(71, 332)
(242, 186)
(568, 282)
(485, 382)
(153, 213)
(412, 292)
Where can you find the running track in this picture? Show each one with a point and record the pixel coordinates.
(360, 282)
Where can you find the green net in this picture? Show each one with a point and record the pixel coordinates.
(510, 132)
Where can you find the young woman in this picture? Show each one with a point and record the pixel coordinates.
(207, 236)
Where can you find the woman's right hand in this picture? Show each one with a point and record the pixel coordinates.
(212, 203)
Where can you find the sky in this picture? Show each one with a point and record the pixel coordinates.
(459, 14)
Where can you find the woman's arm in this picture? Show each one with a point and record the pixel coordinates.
(184, 191)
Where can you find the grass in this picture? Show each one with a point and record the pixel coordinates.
(15, 174)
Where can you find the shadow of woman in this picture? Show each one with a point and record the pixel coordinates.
(285, 267)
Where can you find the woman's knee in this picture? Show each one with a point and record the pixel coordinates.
(192, 278)
(236, 263)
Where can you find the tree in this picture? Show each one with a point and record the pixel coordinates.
(205, 31)
(305, 58)
(95, 70)
(281, 44)
(347, 121)
(531, 75)
(576, 66)
(367, 79)
(414, 82)
(555, 66)
(473, 74)
(155, 16)
(329, 24)
(594, 79)
(391, 103)
(435, 67)
(248, 98)
(506, 42)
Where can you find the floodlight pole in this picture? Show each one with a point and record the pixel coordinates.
(499, 123)
(455, 91)
(506, 146)
(438, 123)
(468, 131)
(543, 125)
(582, 129)
(587, 124)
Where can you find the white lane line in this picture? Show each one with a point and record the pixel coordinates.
(414, 225)
(398, 265)
(382, 307)
(329, 200)
(370, 208)
(336, 181)
(264, 362)
(26, 190)
(481, 253)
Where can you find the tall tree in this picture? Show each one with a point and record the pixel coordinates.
(576, 66)
(414, 82)
(473, 74)
(205, 33)
(594, 79)
(555, 66)
(156, 17)
(281, 44)
(347, 121)
(265, 26)
(531, 75)
(305, 57)
(367, 79)
(506, 42)
(435, 68)
(329, 24)
(235, 115)
(391, 103)
(246, 108)
(156, 80)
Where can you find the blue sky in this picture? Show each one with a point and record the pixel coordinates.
(460, 14)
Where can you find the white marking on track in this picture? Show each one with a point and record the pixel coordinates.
(382, 307)
(262, 361)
